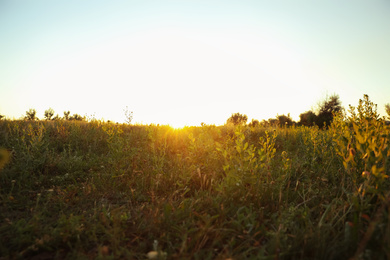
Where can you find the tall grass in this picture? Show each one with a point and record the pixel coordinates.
(104, 190)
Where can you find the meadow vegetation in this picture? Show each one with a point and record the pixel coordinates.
(72, 189)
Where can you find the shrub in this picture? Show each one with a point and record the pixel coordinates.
(31, 114)
(237, 119)
(363, 143)
(49, 113)
(284, 120)
(326, 110)
(308, 118)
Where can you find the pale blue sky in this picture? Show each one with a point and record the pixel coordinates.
(187, 62)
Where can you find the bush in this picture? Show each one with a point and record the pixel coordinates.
(237, 119)
(326, 110)
(31, 114)
(284, 120)
(49, 113)
(308, 118)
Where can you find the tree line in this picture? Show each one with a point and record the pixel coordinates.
(31, 114)
(322, 117)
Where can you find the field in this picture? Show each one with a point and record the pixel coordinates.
(87, 190)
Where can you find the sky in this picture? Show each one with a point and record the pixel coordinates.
(187, 62)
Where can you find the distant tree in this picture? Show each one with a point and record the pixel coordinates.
(66, 115)
(254, 123)
(308, 118)
(264, 123)
(49, 113)
(77, 117)
(237, 119)
(31, 114)
(284, 120)
(273, 122)
(326, 109)
(1, 116)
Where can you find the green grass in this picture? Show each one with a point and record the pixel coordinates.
(78, 190)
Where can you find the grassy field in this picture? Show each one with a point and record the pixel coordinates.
(87, 190)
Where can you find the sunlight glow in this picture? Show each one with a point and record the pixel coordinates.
(184, 63)
(186, 75)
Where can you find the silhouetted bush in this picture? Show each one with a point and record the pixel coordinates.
(49, 113)
(77, 117)
(284, 120)
(308, 118)
(254, 123)
(327, 108)
(66, 115)
(273, 122)
(237, 119)
(31, 114)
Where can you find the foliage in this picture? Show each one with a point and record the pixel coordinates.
(128, 115)
(362, 140)
(74, 189)
(4, 157)
(284, 120)
(245, 165)
(308, 118)
(31, 114)
(327, 108)
(66, 115)
(254, 123)
(387, 108)
(49, 113)
(363, 143)
(237, 119)
(77, 117)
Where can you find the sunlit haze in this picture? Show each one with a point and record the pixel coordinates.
(186, 62)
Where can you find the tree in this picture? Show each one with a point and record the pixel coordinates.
(237, 119)
(308, 118)
(254, 123)
(66, 115)
(273, 121)
(326, 110)
(49, 113)
(31, 114)
(284, 120)
(77, 117)
(1, 116)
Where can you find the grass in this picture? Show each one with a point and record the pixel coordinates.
(98, 190)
